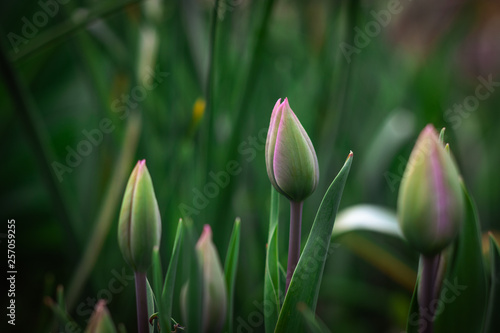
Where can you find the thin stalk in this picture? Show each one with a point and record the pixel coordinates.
(209, 88)
(427, 291)
(142, 302)
(294, 240)
(106, 211)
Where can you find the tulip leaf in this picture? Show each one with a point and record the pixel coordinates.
(157, 287)
(465, 280)
(151, 305)
(230, 267)
(167, 294)
(412, 324)
(272, 270)
(306, 280)
(441, 136)
(366, 217)
(313, 324)
(492, 319)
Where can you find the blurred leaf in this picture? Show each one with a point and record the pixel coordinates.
(271, 279)
(167, 295)
(366, 217)
(157, 284)
(230, 268)
(413, 313)
(465, 279)
(313, 324)
(194, 290)
(306, 280)
(441, 135)
(151, 305)
(492, 319)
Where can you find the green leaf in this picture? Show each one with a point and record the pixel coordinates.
(230, 267)
(271, 279)
(313, 324)
(441, 135)
(463, 293)
(366, 217)
(157, 287)
(492, 318)
(194, 286)
(413, 313)
(167, 295)
(306, 280)
(151, 304)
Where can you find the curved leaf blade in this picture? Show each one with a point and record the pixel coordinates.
(230, 266)
(306, 280)
(272, 273)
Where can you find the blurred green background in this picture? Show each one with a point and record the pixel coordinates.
(90, 87)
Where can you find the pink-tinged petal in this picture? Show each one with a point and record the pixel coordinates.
(139, 226)
(430, 202)
(291, 161)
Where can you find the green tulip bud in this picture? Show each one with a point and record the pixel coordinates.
(139, 228)
(430, 202)
(291, 162)
(214, 285)
(100, 321)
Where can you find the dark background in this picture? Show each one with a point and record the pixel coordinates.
(365, 76)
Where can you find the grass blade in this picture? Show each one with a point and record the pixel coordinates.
(492, 318)
(271, 279)
(230, 268)
(168, 288)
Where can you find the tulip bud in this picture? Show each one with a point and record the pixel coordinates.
(100, 321)
(139, 228)
(214, 285)
(430, 202)
(291, 162)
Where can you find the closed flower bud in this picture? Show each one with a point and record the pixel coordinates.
(139, 228)
(214, 285)
(100, 321)
(430, 202)
(292, 165)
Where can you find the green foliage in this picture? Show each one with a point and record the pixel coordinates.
(230, 269)
(306, 280)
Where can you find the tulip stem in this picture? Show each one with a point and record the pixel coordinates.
(427, 291)
(142, 302)
(294, 240)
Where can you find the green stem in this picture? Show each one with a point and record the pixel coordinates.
(142, 302)
(294, 240)
(209, 88)
(107, 210)
(426, 291)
